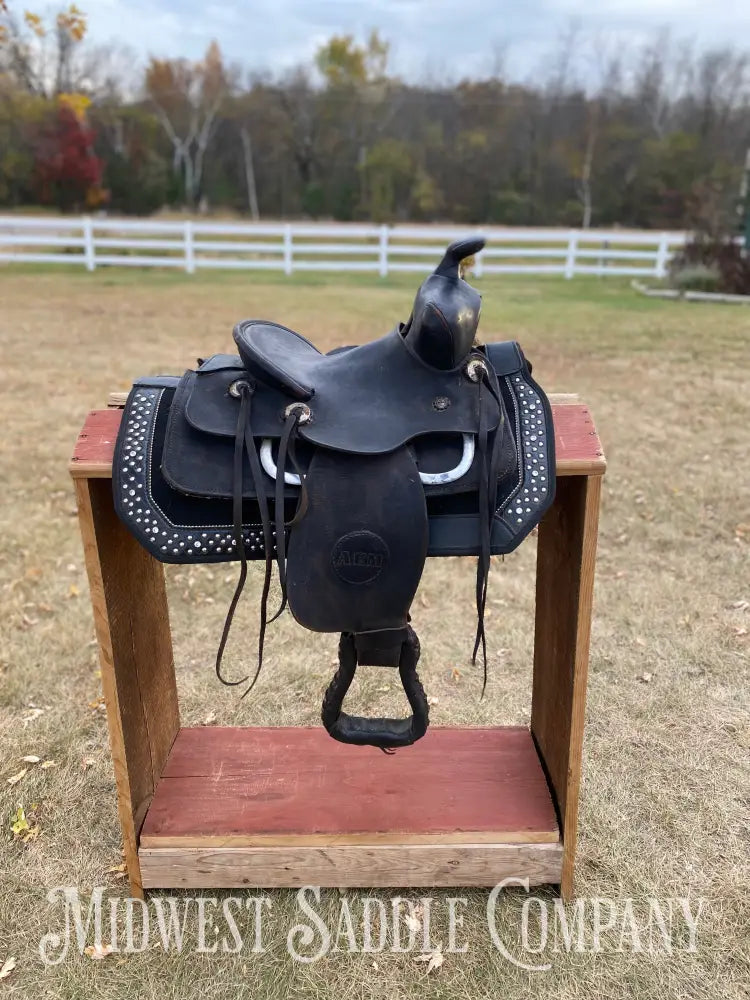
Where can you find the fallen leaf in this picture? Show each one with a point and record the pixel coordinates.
(7, 967)
(98, 951)
(433, 701)
(47, 764)
(210, 719)
(456, 674)
(375, 966)
(33, 714)
(645, 677)
(73, 591)
(434, 959)
(19, 824)
(639, 641)
(15, 778)
(31, 759)
(412, 922)
(29, 622)
(739, 630)
(88, 762)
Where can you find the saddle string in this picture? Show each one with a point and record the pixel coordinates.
(245, 443)
(487, 500)
(239, 447)
(268, 543)
(287, 445)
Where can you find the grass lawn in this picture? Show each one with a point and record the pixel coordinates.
(666, 781)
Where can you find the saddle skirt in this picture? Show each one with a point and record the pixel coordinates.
(344, 471)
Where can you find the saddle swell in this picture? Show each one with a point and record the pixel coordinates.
(342, 473)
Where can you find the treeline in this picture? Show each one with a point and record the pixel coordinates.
(655, 139)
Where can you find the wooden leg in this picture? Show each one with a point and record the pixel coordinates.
(564, 590)
(135, 651)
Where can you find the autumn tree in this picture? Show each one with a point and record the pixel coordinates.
(186, 98)
(67, 172)
(40, 56)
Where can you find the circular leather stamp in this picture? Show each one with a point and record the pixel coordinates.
(359, 557)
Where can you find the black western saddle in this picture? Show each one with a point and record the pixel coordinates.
(345, 471)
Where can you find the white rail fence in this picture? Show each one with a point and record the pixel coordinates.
(292, 247)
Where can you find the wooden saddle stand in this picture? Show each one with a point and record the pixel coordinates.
(220, 807)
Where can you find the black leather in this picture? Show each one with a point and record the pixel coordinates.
(367, 400)
(388, 734)
(362, 427)
(355, 566)
(445, 315)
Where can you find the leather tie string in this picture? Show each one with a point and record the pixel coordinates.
(244, 442)
(489, 455)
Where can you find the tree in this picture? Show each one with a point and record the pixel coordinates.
(186, 98)
(343, 63)
(41, 58)
(390, 174)
(67, 172)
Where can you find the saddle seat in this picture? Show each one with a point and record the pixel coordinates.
(369, 399)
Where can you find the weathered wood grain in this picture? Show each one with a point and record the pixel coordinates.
(135, 652)
(564, 593)
(376, 866)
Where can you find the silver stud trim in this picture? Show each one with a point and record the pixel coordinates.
(190, 543)
(517, 507)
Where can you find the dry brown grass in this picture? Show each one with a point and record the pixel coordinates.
(665, 797)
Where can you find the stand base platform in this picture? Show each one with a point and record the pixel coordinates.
(267, 807)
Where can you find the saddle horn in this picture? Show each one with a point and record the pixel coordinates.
(445, 315)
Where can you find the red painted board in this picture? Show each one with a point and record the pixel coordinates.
(247, 785)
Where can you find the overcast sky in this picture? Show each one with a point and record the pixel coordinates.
(429, 38)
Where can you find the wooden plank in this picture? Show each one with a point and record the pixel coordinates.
(555, 398)
(295, 786)
(135, 652)
(95, 445)
(564, 592)
(370, 866)
(577, 446)
(578, 450)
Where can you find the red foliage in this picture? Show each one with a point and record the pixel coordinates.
(67, 173)
(723, 255)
